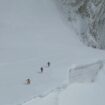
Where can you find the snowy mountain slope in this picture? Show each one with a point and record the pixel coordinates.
(33, 33)
(90, 15)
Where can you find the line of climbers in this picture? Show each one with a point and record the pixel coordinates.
(28, 81)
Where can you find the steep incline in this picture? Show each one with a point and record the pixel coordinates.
(90, 15)
(31, 34)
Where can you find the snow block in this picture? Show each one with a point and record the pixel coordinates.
(85, 73)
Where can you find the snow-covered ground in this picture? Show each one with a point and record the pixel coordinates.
(31, 34)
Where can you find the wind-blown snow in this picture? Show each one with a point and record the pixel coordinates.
(33, 33)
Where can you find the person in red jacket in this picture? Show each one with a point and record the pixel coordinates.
(28, 81)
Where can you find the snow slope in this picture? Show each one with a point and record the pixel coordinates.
(31, 34)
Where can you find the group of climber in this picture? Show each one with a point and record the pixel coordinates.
(28, 81)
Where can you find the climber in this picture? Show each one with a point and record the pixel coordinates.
(28, 81)
(48, 64)
(41, 69)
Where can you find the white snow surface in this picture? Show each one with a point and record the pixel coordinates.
(32, 33)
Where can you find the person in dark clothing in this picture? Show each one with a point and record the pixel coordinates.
(48, 64)
(41, 69)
